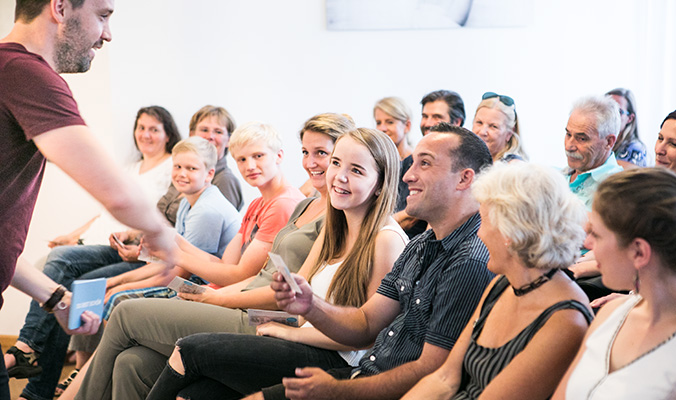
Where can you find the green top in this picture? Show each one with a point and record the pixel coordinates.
(292, 243)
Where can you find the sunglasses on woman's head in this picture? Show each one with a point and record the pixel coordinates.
(506, 100)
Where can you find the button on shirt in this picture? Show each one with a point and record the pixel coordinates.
(438, 284)
(585, 184)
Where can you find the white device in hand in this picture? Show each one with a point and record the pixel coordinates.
(118, 241)
(279, 263)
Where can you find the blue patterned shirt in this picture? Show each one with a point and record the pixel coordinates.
(438, 284)
(633, 152)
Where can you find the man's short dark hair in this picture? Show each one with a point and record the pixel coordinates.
(28, 10)
(472, 151)
(456, 107)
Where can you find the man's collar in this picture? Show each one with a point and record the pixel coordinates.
(609, 167)
(469, 227)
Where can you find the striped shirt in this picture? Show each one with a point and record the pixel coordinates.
(438, 284)
(482, 364)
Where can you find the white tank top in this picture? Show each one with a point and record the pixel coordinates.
(320, 286)
(652, 376)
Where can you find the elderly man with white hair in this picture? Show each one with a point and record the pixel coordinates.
(591, 132)
(592, 129)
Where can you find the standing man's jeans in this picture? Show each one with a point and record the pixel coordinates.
(4, 380)
(41, 330)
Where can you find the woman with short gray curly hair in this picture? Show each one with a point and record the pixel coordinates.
(536, 213)
(533, 316)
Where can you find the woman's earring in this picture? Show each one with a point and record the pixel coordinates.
(637, 283)
(377, 193)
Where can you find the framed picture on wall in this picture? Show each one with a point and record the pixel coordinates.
(426, 14)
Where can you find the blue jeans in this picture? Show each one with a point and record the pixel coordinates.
(41, 331)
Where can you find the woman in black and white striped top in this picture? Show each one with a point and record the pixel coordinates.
(532, 317)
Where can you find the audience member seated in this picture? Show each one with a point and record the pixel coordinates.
(421, 307)
(441, 106)
(307, 188)
(438, 106)
(358, 246)
(665, 147)
(629, 149)
(628, 351)
(216, 125)
(592, 128)
(135, 358)
(205, 219)
(497, 124)
(155, 134)
(532, 318)
(41, 347)
(665, 157)
(393, 117)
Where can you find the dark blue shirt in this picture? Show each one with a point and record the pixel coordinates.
(438, 284)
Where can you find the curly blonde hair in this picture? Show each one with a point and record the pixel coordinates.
(533, 208)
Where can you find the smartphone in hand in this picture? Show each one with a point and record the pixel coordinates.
(118, 241)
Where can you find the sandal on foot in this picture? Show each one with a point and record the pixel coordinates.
(61, 387)
(26, 364)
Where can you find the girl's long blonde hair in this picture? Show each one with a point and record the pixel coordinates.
(350, 283)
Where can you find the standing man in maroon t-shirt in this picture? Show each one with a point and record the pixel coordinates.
(39, 120)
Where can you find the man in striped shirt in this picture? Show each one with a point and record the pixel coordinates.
(421, 307)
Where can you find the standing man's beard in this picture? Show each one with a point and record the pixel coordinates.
(71, 53)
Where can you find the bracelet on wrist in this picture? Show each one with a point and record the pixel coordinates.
(55, 298)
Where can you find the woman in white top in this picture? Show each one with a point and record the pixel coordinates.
(628, 352)
(155, 134)
(357, 247)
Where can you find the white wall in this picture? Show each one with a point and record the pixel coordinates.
(274, 61)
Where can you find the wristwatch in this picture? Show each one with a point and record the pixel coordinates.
(55, 300)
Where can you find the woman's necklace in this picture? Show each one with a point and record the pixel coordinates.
(535, 284)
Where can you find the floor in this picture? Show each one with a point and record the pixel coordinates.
(17, 385)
